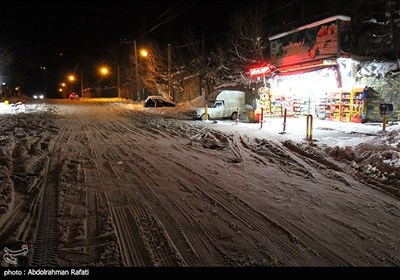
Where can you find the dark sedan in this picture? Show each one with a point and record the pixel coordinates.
(158, 101)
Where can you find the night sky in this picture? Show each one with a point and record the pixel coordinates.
(90, 27)
(62, 34)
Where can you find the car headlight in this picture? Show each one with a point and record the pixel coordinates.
(41, 96)
(35, 97)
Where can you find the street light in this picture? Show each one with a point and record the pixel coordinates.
(104, 71)
(144, 53)
(71, 78)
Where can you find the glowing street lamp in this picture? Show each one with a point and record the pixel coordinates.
(71, 78)
(104, 71)
(144, 53)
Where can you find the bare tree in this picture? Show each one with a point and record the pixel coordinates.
(247, 44)
(376, 28)
(152, 69)
(393, 12)
(6, 58)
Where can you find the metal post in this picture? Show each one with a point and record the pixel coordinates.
(262, 117)
(384, 121)
(284, 121)
(169, 71)
(82, 81)
(309, 128)
(136, 70)
(237, 116)
(118, 83)
(206, 113)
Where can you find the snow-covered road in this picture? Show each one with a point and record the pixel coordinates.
(122, 187)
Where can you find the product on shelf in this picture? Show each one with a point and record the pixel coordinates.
(322, 109)
(348, 106)
(345, 106)
(334, 107)
(357, 105)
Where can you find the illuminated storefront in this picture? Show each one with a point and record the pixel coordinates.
(314, 74)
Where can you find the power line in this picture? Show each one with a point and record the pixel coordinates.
(280, 8)
(172, 17)
(159, 17)
(199, 41)
(169, 15)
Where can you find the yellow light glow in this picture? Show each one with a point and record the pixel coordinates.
(104, 70)
(71, 78)
(63, 84)
(144, 53)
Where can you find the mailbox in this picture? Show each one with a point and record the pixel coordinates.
(386, 108)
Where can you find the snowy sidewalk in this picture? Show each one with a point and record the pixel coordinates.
(324, 131)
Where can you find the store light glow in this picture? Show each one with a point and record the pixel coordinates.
(261, 70)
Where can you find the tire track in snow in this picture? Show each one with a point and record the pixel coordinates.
(127, 196)
(131, 245)
(173, 229)
(240, 215)
(45, 243)
(276, 230)
(157, 241)
(135, 253)
(190, 175)
(303, 234)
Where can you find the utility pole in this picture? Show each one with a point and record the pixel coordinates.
(207, 91)
(82, 81)
(137, 70)
(169, 72)
(118, 82)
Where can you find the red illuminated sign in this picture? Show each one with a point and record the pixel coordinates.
(261, 70)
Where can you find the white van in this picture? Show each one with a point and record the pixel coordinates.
(222, 104)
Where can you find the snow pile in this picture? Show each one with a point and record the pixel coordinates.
(378, 158)
(199, 101)
(181, 111)
(24, 144)
(12, 108)
(376, 68)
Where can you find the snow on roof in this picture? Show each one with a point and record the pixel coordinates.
(341, 17)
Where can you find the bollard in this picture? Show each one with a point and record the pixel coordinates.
(284, 122)
(237, 116)
(384, 121)
(309, 127)
(206, 113)
(262, 117)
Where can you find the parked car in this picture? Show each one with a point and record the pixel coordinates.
(73, 95)
(158, 101)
